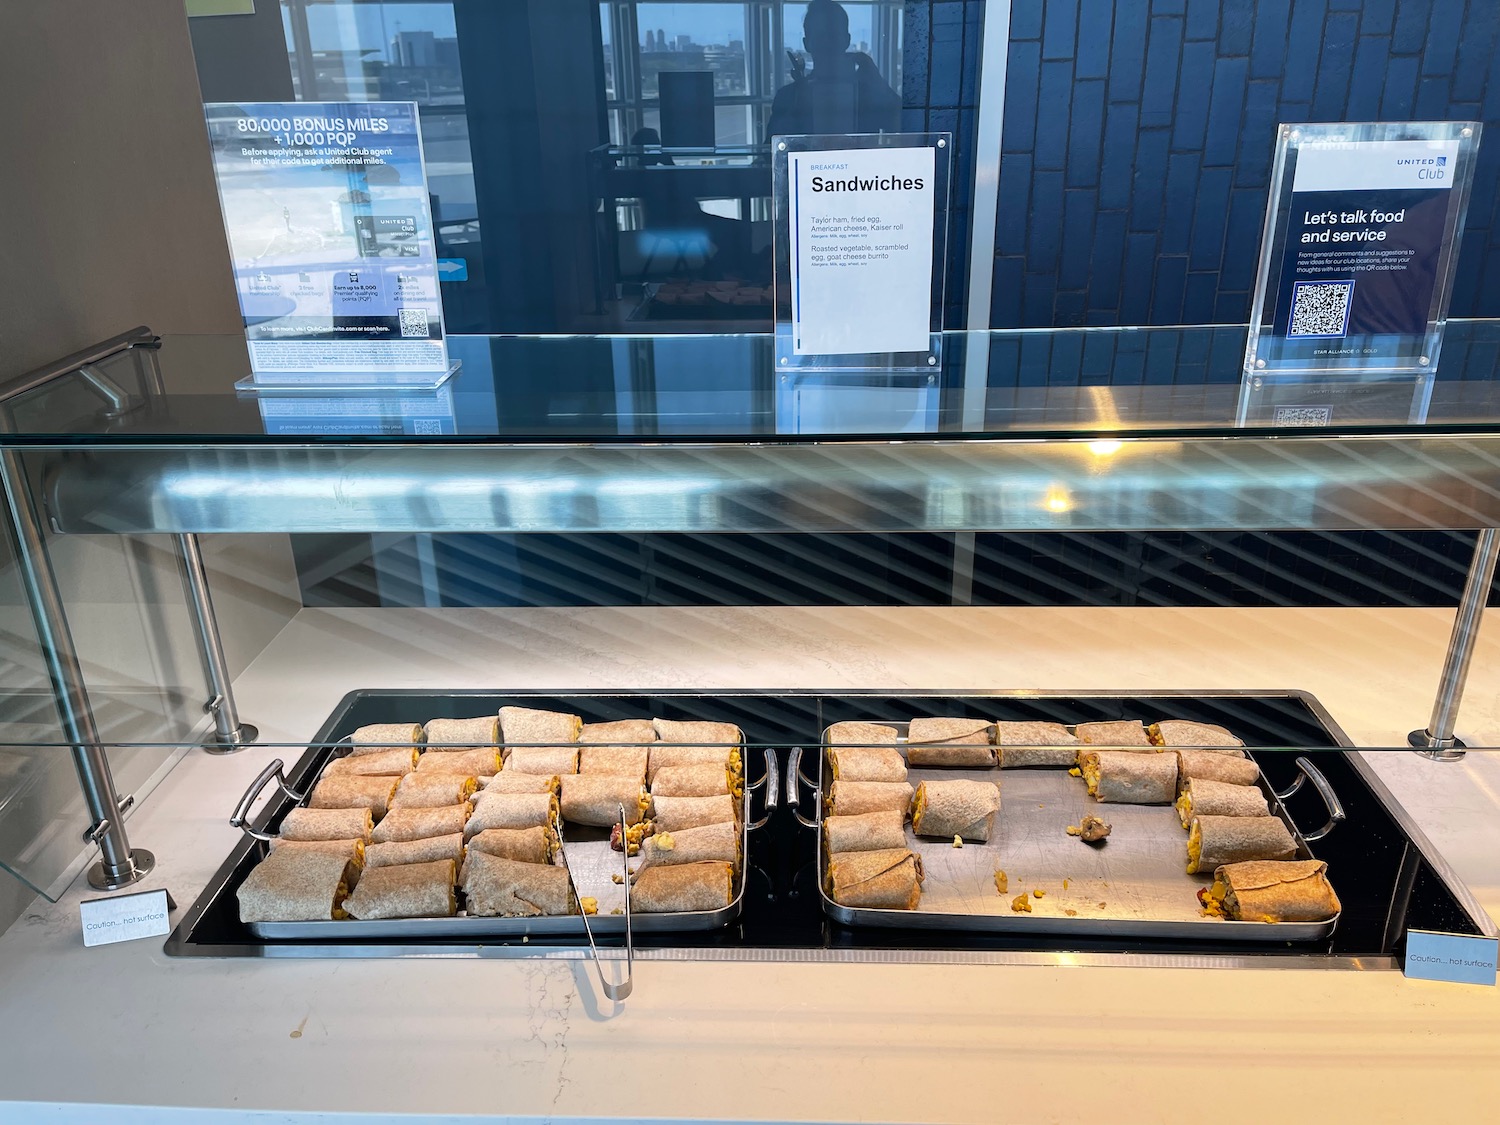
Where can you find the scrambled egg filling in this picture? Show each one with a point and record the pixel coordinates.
(1214, 900)
(589, 905)
(1185, 808)
(665, 842)
(1195, 848)
(1075, 772)
(1089, 764)
(919, 808)
(958, 841)
(1038, 893)
(1002, 881)
(1021, 904)
(466, 790)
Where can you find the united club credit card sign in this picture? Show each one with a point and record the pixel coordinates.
(326, 209)
(1361, 247)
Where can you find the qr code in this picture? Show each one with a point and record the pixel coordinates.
(1303, 416)
(426, 426)
(414, 324)
(1320, 308)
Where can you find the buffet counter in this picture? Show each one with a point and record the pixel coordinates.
(123, 1033)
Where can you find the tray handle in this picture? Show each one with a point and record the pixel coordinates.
(771, 783)
(240, 818)
(616, 992)
(796, 778)
(1309, 772)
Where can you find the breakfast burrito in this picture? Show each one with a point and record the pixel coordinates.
(1272, 891)
(673, 814)
(377, 763)
(524, 845)
(1215, 767)
(429, 790)
(850, 798)
(949, 742)
(666, 755)
(621, 732)
(889, 879)
(385, 736)
(1201, 797)
(496, 887)
(544, 760)
(1127, 778)
(514, 781)
(1035, 744)
(407, 890)
(595, 798)
(512, 810)
(1180, 732)
(422, 823)
(327, 824)
(695, 733)
(416, 851)
(296, 885)
(867, 832)
(351, 850)
(461, 733)
(860, 734)
(696, 781)
(480, 762)
(621, 761)
(352, 792)
(693, 845)
(866, 763)
(1126, 732)
(670, 889)
(529, 726)
(1216, 840)
(955, 808)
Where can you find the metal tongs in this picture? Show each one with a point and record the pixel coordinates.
(613, 991)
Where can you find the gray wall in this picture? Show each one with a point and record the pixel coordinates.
(112, 221)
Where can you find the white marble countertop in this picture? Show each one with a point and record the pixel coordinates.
(125, 1034)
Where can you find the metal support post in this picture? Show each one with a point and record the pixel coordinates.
(229, 733)
(1437, 741)
(119, 865)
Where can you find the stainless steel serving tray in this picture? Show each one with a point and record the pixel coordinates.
(1135, 884)
(589, 857)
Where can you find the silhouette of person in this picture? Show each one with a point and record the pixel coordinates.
(845, 92)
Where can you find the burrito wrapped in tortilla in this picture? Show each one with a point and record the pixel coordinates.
(1180, 732)
(961, 743)
(673, 814)
(296, 885)
(350, 792)
(524, 845)
(621, 732)
(531, 726)
(1213, 766)
(1201, 797)
(666, 755)
(890, 879)
(696, 733)
(1272, 891)
(443, 734)
(544, 760)
(422, 823)
(674, 888)
(351, 850)
(850, 798)
(1126, 732)
(697, 781)
(595, 798)
(512, 810)
(866, 763)
(693, 845)
(385, 736)
(860, 734)
(416, 851)
(429, 790)
(327, 824)
(407, 890)
(1216, 840)
(514, 781)
(471, 763)
(866, 832)
(496, 887)
(621, 761)
(1035, 744)
(1126, 778)
(377, 763)
(955, 808)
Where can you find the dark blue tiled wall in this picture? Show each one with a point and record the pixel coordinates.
(1138, 138)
